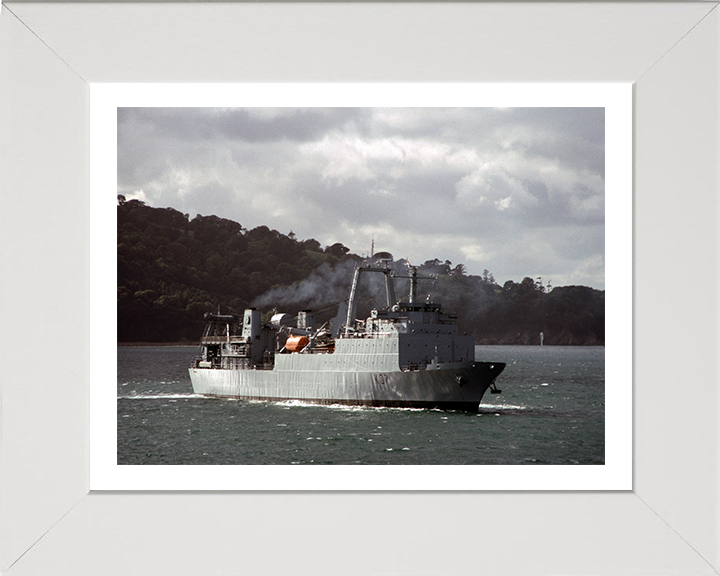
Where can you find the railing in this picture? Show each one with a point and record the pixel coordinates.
(368, 335)
(221, 339)
(231, 364)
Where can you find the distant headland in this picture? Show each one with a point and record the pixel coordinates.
(173, 269)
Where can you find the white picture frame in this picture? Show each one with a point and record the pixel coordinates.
(49, 522)
(616, 471)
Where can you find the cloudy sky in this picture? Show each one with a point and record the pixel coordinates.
(517, 191)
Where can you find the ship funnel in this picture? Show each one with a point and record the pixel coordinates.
(282, 319)
(306, 320)
(251, 324)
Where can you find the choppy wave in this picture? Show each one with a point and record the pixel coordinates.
(483, 409)
(346, 407)
(161, 397)
(350, 407)
(501, 407)
(562, 423)
(498, 409)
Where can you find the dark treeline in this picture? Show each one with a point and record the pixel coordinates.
(171, 270)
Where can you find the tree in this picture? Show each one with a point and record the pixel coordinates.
(312, 245)
(337, 250)
(171, 270)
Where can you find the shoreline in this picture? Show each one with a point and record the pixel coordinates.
(186, 344)
(194, 345)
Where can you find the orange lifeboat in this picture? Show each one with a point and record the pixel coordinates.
(296, 343)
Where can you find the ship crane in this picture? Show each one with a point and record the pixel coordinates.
(389, 289)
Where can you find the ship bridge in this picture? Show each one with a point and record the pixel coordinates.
(423, 335)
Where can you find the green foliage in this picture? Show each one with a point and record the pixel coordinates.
(517, 313)
(171, 270)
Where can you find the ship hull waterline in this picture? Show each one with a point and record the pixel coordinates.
(451, 386)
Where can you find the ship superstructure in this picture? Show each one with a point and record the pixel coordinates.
(407, 354)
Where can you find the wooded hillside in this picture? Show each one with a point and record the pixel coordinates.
(171, 270)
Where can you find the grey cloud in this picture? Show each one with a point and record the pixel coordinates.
(521, 191)
(195, 124)
(211, 198)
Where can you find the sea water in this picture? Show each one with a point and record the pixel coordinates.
(551, 411)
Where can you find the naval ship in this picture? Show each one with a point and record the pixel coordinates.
(406, 354)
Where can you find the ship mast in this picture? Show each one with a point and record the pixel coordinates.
(413, 284)
(412, 297)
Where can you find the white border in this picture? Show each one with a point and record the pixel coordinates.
(615, 474)
(668, 525)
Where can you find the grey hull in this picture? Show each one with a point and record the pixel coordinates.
(450, 386)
